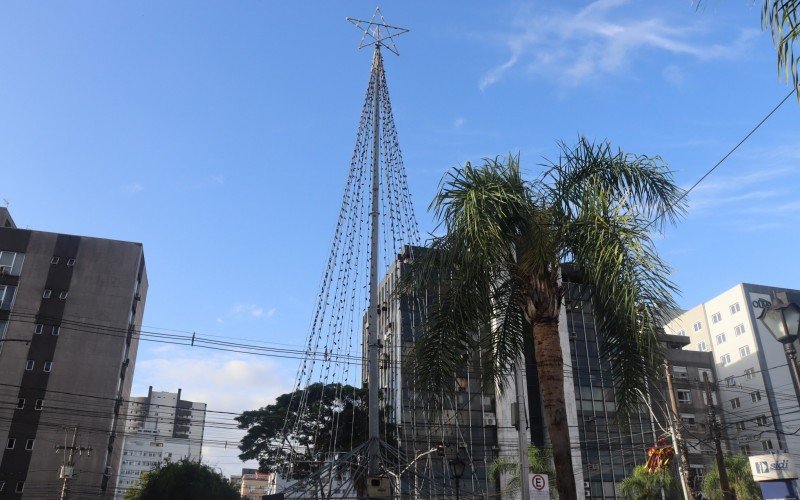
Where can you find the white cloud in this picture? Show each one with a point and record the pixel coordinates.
(134, 187)
(458, 122)
(573, 47)
(673, 74)
(252, 310)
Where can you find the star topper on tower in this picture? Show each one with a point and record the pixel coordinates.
(377, 33)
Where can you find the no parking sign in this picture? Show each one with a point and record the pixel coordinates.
(540, 487)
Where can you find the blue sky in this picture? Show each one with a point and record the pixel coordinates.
(219, 134)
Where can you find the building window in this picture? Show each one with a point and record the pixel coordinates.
(744, 351)
(38, 328)
(70, 262)
(739, 329)
(29, 444)
(716, 318)
(47, 293)
(701, 371)
(766, 444)
(740, 426)
(721, 338)
(735, 403)
(7, 296)
(56, 330)
(20, 403)
(63, 295)
(682, 333)
(39, 404)
(762, 421)
(750, 373)
(11, 263)
(684, 396)
(29, 365)
(680, 372)
(48, 366)
(697, 326)
(745, 449)
(54, 260)
(701, 346)
(11, 443)
(19, 487)
(730, 381)
(735, 308)
(725, 359)
(755, 396)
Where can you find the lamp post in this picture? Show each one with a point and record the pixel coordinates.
(782, 319)
(457, 469)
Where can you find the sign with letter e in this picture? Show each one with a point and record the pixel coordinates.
(540, 487)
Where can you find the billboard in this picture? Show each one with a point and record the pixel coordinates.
(773, 466)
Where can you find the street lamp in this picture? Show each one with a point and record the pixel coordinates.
(782, 319)
(457, 469)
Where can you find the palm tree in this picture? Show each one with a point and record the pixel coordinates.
(499, 264)
(740, 477)
(539, 460)
(644, 485)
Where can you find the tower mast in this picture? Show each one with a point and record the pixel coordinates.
(372, 325)
(379, 34)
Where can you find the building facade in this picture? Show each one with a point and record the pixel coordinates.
(756, 391)
(69, 310)
(254, 484)
(160, 427)
(466, 426)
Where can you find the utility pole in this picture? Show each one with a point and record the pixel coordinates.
(522, 436)
(68, 470)
(713, 424)
(677, 439)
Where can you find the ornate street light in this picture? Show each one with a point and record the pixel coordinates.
(782, 319)
(457, 470)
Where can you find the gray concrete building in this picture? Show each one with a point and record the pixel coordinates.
(467, 422)
(160, 427)
(69, 308)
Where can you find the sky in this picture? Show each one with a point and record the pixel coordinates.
(219, 135)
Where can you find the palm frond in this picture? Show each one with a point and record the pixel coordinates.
(631, 288)
(782, 19)
(646, 182)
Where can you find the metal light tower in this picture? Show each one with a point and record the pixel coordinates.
(378, 34)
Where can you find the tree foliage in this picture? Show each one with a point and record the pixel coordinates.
(499, 261)
(780, 17)
(183, 480)
(645, 485)
(740, 478)
(303, 426)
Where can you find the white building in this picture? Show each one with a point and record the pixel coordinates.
(159, 427)
(757, 396)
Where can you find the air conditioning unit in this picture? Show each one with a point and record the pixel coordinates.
(489, 419)
(586, 485)
(4, 270)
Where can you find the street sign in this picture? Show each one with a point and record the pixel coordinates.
(540, 486)
(773, 466)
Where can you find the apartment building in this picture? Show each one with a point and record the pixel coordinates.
(160, 427)
(69, 310)
(756, 391)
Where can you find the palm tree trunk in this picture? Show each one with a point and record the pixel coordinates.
(550, 366)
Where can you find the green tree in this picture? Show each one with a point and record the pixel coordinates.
(499, 262)
(739, 476)
(334, 418)
(184, 480)
(540, 460)
(642, 485)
